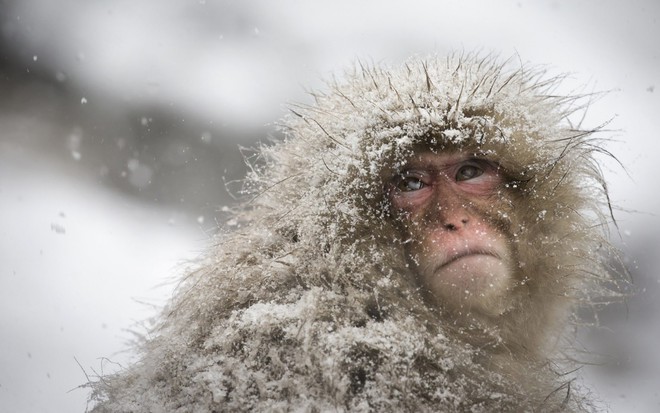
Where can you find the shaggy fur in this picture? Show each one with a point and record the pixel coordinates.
(309, 305)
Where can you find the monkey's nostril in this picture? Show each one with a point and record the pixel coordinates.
(454, 227)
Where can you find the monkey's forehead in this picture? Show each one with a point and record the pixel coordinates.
(459, 101)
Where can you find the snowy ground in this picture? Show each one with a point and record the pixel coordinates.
(106, 106)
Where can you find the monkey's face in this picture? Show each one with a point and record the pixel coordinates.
(454, 230)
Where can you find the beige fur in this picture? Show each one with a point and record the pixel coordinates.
(310, 304)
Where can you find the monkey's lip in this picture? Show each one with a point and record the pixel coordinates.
(469, 253)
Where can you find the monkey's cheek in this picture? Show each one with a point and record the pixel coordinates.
(475, 283)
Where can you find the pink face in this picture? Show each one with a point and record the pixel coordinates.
(448, 205)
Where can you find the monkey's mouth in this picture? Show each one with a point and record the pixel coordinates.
(468, 253)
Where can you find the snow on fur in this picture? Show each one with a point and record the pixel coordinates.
(308, 305)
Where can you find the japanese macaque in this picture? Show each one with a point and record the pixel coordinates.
(420, 240)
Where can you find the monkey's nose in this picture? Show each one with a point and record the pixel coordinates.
(455, 225)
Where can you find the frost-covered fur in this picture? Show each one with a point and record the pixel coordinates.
(308, 305)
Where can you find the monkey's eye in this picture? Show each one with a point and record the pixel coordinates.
(468, 171)
(408, 182)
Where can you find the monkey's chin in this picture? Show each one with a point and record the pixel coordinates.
(476, 283)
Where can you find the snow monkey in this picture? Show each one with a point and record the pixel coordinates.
(419, 240)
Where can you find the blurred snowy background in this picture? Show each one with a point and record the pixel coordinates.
(120, 122)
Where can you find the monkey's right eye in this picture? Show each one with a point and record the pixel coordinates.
(408, 182)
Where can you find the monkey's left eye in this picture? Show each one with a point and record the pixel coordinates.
(469, 171)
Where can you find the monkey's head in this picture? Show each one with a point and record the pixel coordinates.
(453, 208)
(459, 178)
